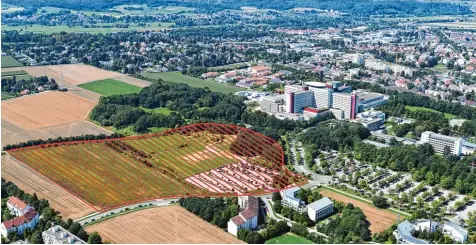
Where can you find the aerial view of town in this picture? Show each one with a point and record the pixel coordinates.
(238, 121)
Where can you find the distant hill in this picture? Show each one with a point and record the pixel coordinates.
(354, 7)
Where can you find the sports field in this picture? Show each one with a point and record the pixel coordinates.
(108, 87)
(289, 238)
(178, 77)
(9, 61)
(161, 225)
(417, 108)
(108, 173)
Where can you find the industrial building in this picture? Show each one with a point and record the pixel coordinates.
(272, 104)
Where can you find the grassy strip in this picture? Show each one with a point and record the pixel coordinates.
(13, 73)
(417, 108)
(109, 87)
(122, 212)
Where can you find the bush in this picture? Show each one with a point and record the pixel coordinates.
(380, 202)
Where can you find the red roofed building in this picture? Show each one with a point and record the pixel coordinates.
(246, 219)
(17, 207)
(29, 219)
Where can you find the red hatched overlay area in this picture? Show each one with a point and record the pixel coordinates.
(204, 159)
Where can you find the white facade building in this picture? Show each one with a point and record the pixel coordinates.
(291, 201)
(59, 235)
(347, 102)
(246, 219)
(322, 97)
(320, 209)
(439, 142)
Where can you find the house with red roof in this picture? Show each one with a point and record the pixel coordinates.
(26, 218)
(246, 219)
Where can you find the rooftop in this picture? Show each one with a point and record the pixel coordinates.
(321, 203)
(61, 235)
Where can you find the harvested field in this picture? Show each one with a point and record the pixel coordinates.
(116, 172)
(161, 225)
(73, 74)
(379, 219)
(12, 134)
(46, 109)
(76, 74)
(28, 180)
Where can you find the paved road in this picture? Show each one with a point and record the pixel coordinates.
(96, 216)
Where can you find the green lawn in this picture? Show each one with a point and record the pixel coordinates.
(417, 108)
(161, 110)
(157, 129)
(101, 29)
(110, 87)
(9, 61)
(289, 238)
(13, 73)
(178, 77)
(6, 96)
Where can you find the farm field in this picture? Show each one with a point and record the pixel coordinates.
(416, 108)
(102, 29)
(289, 238)
(109, 87)
(109, 173)
(171, 225)
(46, 109)
(454, 25)
(9, 61)
(177, 77)
(379, 219)
(13, 134)
(67, 204)
(73, 74)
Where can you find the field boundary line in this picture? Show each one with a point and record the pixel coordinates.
(362, 199)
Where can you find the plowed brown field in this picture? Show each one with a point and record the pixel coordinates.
(161, 225)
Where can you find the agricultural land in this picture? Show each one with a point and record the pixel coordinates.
(171, 224)
(110, 173)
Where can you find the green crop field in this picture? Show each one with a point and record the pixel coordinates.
(13, 73)
(178, 77)
(101, 29)
(289, 238)
(417, 108)
(110, 87)
(9, 61)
